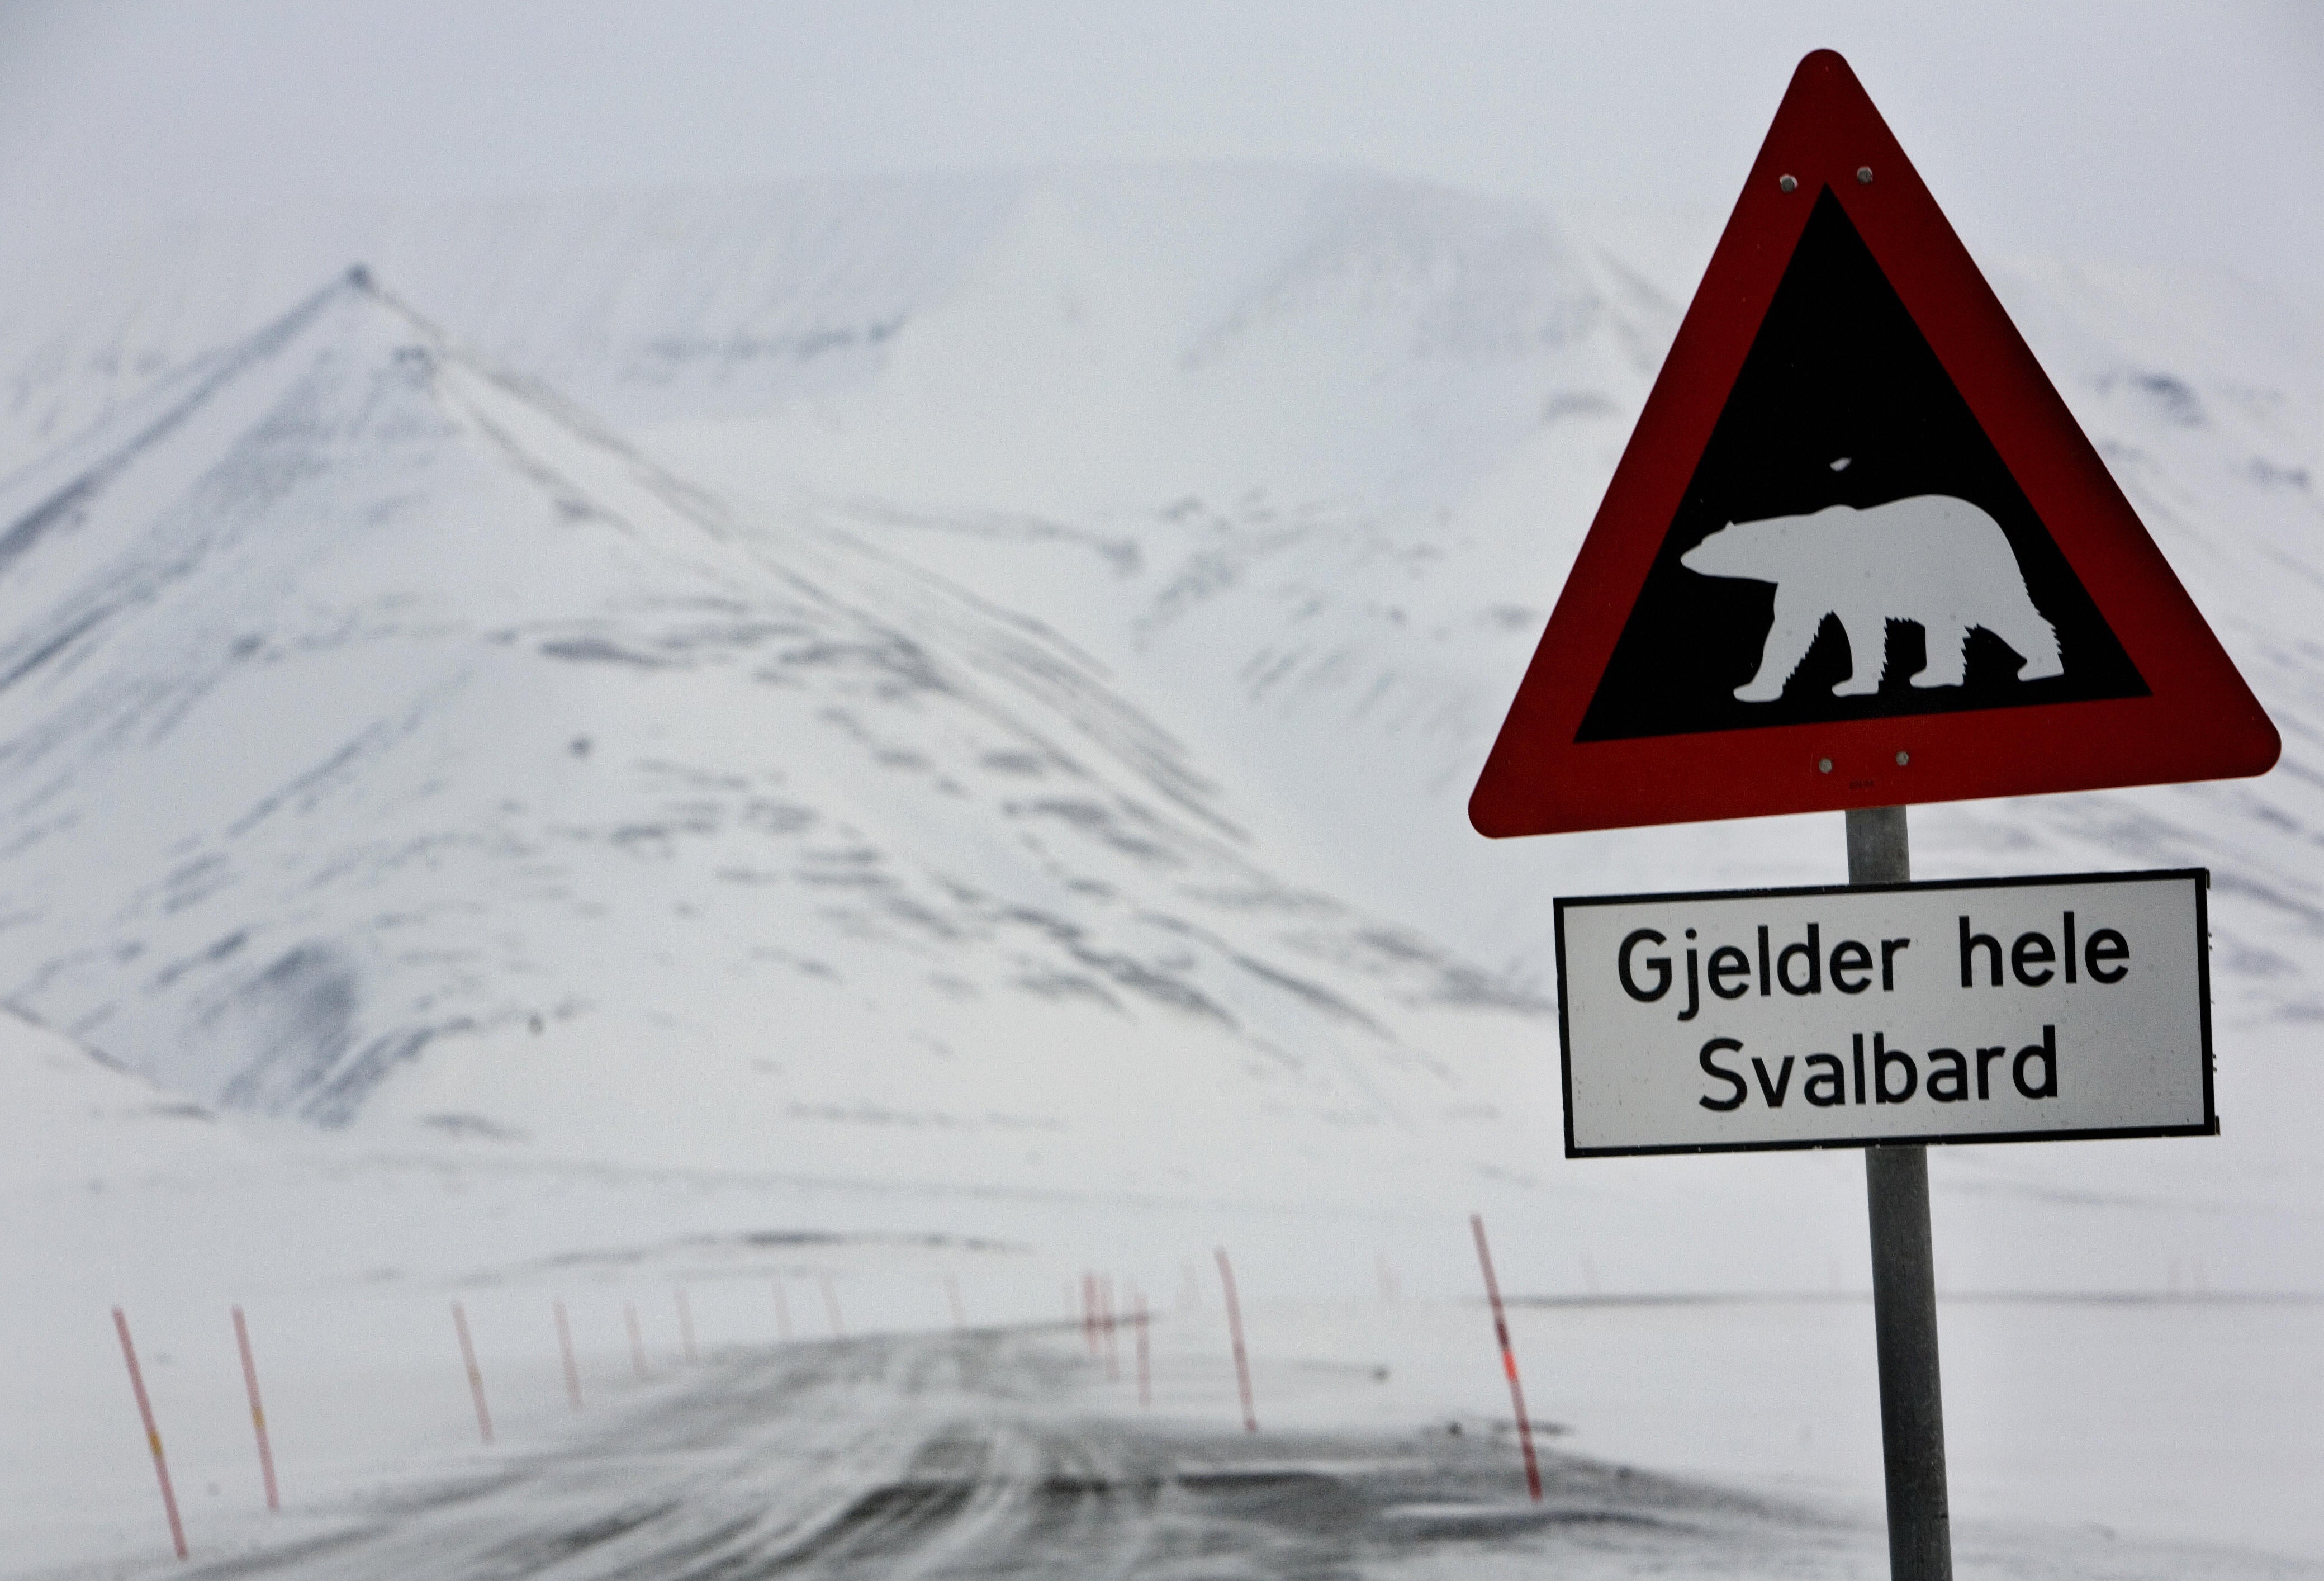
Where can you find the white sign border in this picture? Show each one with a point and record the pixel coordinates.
(2201, 876)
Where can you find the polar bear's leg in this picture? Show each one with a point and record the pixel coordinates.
(1868, 651)
(2035, 639)
(1947, 647)
(1797, 622)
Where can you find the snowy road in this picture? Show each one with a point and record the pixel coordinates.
(1003, 1454)
(979, 1456)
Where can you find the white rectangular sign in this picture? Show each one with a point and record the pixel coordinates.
(1993, 1010)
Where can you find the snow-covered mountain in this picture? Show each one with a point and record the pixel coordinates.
(1311, 306)
(380, 733)
(633, 304)
(1246, 489)
(1312, 489)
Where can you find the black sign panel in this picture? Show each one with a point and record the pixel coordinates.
(1851, 546)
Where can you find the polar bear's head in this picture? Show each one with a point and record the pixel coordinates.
(1767, 550)
(1740, 549)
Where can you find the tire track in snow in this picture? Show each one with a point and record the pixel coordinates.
(989, 1455)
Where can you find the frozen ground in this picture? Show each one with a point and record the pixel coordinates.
(2158, 1425)
(1007, 1452)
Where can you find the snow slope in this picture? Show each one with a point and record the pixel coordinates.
(379, 733)
(1338, 594)
(636, 304)
(1242, 491)
(2170, 1417)
(1347, 645)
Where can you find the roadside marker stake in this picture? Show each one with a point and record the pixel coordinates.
(951, 1294)
(782, 1311)
(1144, 1370)
(1234, 1328)
(565, 1346)
(1106, 1324)
(637, 1340)
(685, 1325)
(257, 1410)
(152, 1434)
(475, 1375)
(831, 1307)
(1509, 1357)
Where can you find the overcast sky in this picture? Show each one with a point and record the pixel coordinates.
(2176, 133)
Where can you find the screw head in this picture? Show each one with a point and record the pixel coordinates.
(1903, 758)
(1823, 765)
(1864, 175)
(1788, 183)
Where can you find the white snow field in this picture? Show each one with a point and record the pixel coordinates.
(909, 738)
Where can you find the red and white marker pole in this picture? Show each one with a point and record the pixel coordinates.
(1108, 1326)
(565, 1346)
(1234, 1328)
(1509, 1357)
(153, 1433)
(637, 1340)
(475, 1374)
(257, 1409)
(1144, 1365)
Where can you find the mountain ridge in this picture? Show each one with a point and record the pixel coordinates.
(1293, 647)
(306, 627)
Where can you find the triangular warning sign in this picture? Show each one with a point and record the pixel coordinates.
(1858, 552)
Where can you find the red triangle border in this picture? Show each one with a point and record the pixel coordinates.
(2200, 720)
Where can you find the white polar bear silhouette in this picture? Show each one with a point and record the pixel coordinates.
(1931, 558)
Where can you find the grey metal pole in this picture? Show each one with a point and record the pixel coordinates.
(1903, 1288)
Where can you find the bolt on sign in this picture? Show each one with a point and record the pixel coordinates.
(1858, 554)
(1997, 1010)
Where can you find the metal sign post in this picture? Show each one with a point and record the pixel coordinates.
(1849, 442)
(1904, 1288)
(1889, 1015)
